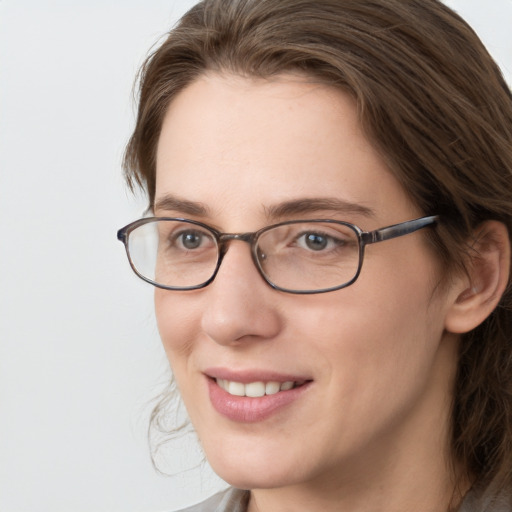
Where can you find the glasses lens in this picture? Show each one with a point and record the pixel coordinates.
(173, 253)
(309, 255)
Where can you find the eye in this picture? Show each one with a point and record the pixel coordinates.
(190, 240)
(317, 241)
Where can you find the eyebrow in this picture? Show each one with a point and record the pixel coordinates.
(174, 203)
(318, 204)
(294, 207)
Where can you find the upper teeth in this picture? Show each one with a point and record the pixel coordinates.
(254, 389)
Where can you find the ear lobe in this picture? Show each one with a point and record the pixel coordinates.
(478, 292)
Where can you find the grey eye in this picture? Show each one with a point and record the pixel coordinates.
(191, 239)
(315, 242)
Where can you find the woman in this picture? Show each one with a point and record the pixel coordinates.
(283, 144)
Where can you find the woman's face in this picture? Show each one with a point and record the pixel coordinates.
(371, 364)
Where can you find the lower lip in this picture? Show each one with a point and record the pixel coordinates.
(245, 409)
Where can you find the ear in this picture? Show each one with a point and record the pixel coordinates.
(478, 292)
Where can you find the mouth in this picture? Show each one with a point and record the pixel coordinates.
(257, 389)
(249, 397)
(253, 395)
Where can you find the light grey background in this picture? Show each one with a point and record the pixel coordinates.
(80, 359)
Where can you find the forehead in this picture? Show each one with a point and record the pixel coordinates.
(236, 144)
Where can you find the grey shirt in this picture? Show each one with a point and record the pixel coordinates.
(236, 500)
(230, 500)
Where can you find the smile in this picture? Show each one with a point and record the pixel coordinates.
(249, 397)
(256, 389)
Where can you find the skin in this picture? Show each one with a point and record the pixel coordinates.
(371, 432)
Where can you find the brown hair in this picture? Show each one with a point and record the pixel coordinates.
(434, 103)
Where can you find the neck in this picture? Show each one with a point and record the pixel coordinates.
(387, 492)
(409, 467)
(395, 486)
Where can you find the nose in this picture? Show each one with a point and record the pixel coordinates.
(239, 306)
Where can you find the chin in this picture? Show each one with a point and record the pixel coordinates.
(259, 479)
(261, 471)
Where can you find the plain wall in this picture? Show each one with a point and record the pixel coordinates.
(80, 359)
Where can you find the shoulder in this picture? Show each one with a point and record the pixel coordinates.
(230, 500)
(478, 500)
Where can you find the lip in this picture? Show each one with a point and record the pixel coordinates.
(247, 376)
(243, 409)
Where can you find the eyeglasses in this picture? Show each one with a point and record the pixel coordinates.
(297, 256)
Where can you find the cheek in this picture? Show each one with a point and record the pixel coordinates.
(379, 346)
(177, 327)
(373, 336)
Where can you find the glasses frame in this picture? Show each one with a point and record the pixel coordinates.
(364, 238)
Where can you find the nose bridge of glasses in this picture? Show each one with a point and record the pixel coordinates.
(224, 238)
(243, 237)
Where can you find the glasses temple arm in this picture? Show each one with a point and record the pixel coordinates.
(396, 230)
